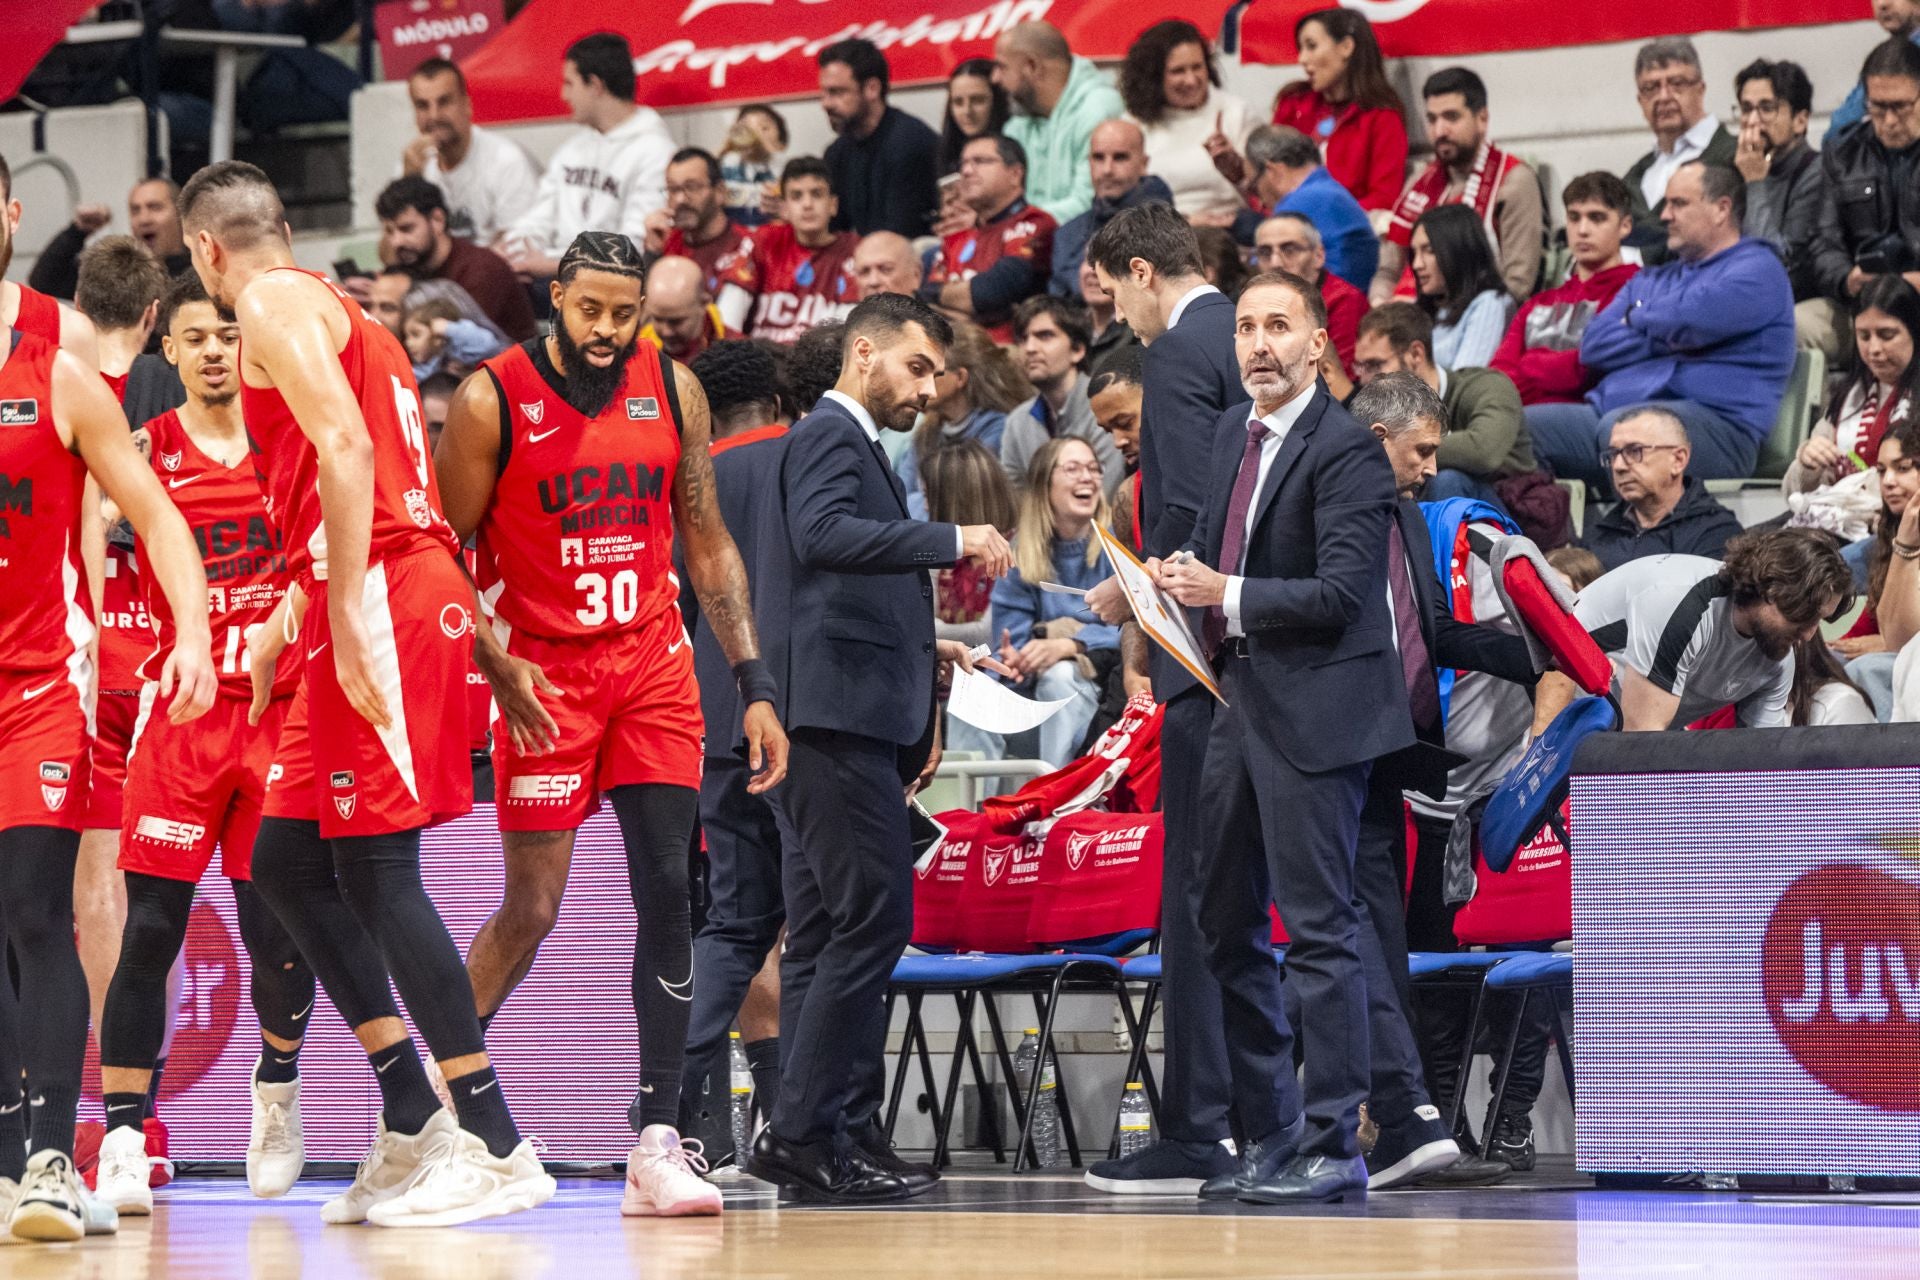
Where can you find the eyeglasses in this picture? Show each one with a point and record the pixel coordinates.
(1766, 107)
(691, 190)
(1884, 109)
(980, 162)
(1676, 85)
(1280, 252)
(1635, 454)
(1077, 470)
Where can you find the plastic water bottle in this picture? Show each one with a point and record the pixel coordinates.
(741, 1076)
(1136, 1120)
(1046, 1112)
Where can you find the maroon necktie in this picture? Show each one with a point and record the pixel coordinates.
(1416, 662)
(1233, 538)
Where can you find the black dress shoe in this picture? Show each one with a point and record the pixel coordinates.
(870, 1147)
(1311, 1180)
(1259, 1162)
(820, 1170)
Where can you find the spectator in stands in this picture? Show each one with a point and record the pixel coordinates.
(1467, 169)
(1486, 439)
(962, 479)
(1115, 395)
(695, 225)
(1459, 286)
(120, 287)
(800, 271)
(1052, 335)
(1290, 242)
(1171, 85)
(886, 263)
(1876, 399)
(387, 298)
(982, 272)
(1347, 105)
(884, 163)
(750, 164)
(1673, 97)
(1900, 19)
(1058, 98)
(152, 218)
(1576, 566)
(609, 174)
(1892, 569)
(981, 385)
(1822, 694)
(1222, 260)
(681, 316)
(1708, 335)
(813, 366)
(439, 340)
(1870, 199)
(415, 238)
(976, 106)
(1287, 177)
(1541, 351)
(1775, 101)
(436, 394)
(1117, 161)
(1111, 334)
(1662, 510)
(488, 181)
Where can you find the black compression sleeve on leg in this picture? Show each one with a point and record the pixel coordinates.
(293, 873)
(656, 822)
(13, 1102)
(283, 984)
(134, 1023)
(36, 894)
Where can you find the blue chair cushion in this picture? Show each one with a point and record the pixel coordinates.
(970, 968)
(1533, 969)
(1113, 944)
(1425, 964)
(1142, 968)
(1536, 787)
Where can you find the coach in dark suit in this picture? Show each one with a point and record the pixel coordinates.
(1299, 503)
(855, 656)
(1148, 259)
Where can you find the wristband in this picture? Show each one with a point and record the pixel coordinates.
(755, 680)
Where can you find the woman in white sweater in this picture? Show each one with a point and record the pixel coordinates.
(1172, 91)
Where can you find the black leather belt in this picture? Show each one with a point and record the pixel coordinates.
(1231, 647)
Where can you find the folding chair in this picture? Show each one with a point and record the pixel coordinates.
(1466, 970)
(1524, 974)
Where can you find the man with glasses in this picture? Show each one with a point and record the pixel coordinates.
(1774, 101)
(982, 272)
(1900, 19)
(1287, 176)
(695, 225)
(1870, 203)
(1662, 510)
(1290, 242)
(1673, 97)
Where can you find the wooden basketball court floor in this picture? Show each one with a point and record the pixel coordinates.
(991, 1224)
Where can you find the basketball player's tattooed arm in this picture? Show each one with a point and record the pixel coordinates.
(90, 421)
(719, 578)
(467, 463)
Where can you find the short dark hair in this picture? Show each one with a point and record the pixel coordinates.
(236, 201)
(1457, 80)
(411, 192)
(441, 67)
(805, 167)
(737, 375)
(605, 57)
(813, 365)
(1599, 187)
(1402, 324)
(1126, 363)
(1281, 144)
(184, 290)
(1010, 151)
(1069, 313)
(440, 383)
(1152, 231)
(1308, 292)
(1789, 81)
(1790, 570)
(119, 279)
(885, 316)
(1397, 401)
(762, 109)
(1723, 182)
(1895, 56)
(703, 155)
(861, 57)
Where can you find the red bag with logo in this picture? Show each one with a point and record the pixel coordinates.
(1099, 874)
(996, 895)
(1123, 769)
(940, 880)
(1531, 902)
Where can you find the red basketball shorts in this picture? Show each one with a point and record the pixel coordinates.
(194, 785)
(113, 719)
(628, 712)
(333, 766)
(46, 744)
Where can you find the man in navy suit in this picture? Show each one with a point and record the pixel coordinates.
(1148, 259)
(1287, 572)
(855, 658)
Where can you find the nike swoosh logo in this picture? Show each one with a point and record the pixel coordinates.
(382, 1069)
(309, 1009)
(28, 695)
(181, 484)
(126, 1106)
(679, 990)
(40, 1101)
(481, 1088)
(7, 1111)
(536, 437)
(311, 655)
(646, 1088)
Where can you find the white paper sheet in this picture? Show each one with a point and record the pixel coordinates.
(985, 703)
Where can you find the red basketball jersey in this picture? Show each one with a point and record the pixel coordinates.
(126, 628)
(39, 315)
(406, 501)
(246, 569)
(798, 287)
(46, 611)
(580, 529)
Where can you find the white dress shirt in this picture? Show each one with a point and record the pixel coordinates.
(872, 428)
(1186, 300)
(1279, 422)
(1653, 183)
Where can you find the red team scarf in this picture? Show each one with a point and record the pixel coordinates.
(1429, 190)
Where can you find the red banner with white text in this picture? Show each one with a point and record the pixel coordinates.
(720, 51)
(1447, 28)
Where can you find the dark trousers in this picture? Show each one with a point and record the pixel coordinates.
(1398, 1084)
(847, 873)
(1195, 1090)
(744, 909)
(1278, 834)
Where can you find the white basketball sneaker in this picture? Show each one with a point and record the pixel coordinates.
(276, 1148)
(663, 1177)
(396, 1161)
(54, 1205)
(465, 1182)
(122, 1180)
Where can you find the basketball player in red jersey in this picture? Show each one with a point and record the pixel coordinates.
(29, 310)
(190, 787)
(368, 756)
(58, 424)
(800, 270)
(578, 457)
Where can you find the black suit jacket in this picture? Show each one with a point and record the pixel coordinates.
(1327, 690)
(1190, 377)
(847, 600)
